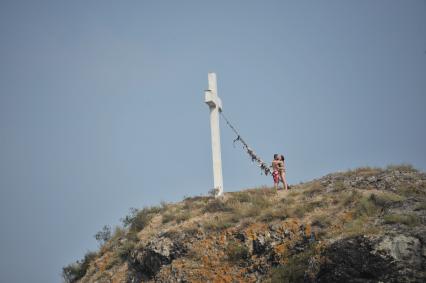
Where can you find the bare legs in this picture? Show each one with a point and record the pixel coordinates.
(283, 179)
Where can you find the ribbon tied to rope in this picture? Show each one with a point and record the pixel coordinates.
(254, 158)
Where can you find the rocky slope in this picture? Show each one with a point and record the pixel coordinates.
(365, 225)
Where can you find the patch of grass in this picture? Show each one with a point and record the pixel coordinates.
(220, 223)
(339, 185)
(364, 171)
(183, 216)
(217, 205)
(293, 193)
(408, 190)
(406, 219)
(272, 213)
(360, 226)
(366, 207)
(421, 206)
(241, 196)
(260, 200)
(195, 202)
(288, 201)
(298, 211)
(167, 217)
(349, 198)
(385, 199)
(313, 189)
(138, 219)
(236, 251)
(75, 271)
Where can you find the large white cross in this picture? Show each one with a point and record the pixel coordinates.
(215, 105)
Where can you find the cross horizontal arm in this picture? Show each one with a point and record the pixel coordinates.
(212, 99)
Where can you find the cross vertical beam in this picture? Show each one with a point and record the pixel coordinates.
(215, 105)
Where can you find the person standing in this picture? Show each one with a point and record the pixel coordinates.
(281, 171)
(276, 165)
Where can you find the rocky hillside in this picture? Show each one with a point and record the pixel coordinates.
(365, 225)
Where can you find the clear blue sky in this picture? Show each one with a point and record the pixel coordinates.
(101, 106)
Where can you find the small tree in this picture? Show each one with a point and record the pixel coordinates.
(104, 235)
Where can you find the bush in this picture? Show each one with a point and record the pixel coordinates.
(104, 235)
(236, 251)
(138, 219)
(78, 269)
(294, 270)
(406, 219)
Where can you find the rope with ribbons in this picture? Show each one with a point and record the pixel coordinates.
(254, 158)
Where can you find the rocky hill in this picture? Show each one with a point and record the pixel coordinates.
(365, 225)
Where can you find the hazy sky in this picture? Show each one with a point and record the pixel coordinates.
(101, 106)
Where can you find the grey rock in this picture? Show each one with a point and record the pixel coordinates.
(402, 248)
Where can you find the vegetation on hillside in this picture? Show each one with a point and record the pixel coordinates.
(361, 202)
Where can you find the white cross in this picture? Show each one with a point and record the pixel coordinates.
(215, 105)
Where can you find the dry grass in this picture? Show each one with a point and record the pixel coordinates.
(363, 171)
(402, 168)
(360, 226)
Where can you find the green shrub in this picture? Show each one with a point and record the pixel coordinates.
(138, 219)
(78, 269)
(294, 270)
(104, 235)
(237, 251)
(406, 219)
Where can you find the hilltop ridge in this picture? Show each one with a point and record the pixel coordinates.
(363, 225)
